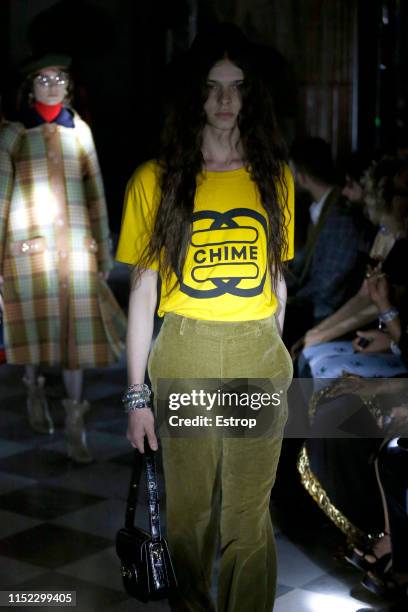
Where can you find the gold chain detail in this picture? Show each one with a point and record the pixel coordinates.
(315, 489)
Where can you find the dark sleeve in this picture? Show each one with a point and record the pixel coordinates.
(333, 261)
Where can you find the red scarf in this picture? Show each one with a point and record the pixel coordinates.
(48, 111)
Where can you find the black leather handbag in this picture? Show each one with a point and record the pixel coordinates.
(147, 570)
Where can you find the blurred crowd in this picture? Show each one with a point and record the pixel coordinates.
(346, 327)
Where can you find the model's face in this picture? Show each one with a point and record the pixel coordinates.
(50, 85)
(224, 100)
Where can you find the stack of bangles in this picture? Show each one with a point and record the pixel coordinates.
(388, 315)
(136, 397)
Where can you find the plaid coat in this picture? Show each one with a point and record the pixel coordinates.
(54, 241)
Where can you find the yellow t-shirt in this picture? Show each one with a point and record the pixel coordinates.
(225, 277)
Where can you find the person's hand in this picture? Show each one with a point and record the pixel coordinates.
(313, 336)
(141, 424)
(104, 275)
(296, 348)
(363, 291)
(378, 288)
(378, 341)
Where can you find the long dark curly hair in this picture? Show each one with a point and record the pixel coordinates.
(181, 160)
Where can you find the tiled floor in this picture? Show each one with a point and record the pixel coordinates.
(58, 521)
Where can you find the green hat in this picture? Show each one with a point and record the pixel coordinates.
(32, 65)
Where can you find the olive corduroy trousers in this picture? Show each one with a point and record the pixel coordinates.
(218, 488)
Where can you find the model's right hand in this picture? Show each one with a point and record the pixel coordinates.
(141, 424)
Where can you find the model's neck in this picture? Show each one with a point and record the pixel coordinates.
(222, 149)
(48, 111)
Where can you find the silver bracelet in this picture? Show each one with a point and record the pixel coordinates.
(388, 315)
(133, 407)
(136, 397)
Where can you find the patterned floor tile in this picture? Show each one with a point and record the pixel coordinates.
(14, 572)
(45, 502)
(125, 458)
(10, 523)
(104, 518)
(51, 546)
(105, 479)
(131, 605)
(295, 568)
(14, 425)
(12, 483)
(89, 597)
(282, 589)
(101, 568)
(107, 518)
(303, 601)
(103, 445)
(114, 425)
(333, 583)
(39, 463)
(8, 448)
(344, 584)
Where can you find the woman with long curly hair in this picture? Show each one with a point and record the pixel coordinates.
(213, 217)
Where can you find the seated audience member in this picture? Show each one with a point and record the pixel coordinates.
(324, 276)
(359, 310)
(374, 353)
(355, 168)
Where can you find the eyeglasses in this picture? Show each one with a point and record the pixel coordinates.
(46, 80)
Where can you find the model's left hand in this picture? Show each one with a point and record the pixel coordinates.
(378, 341)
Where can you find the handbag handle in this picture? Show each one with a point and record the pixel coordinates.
(152, 492)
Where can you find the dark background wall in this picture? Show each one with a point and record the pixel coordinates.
(337, 67)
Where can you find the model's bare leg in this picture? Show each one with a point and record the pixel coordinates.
(31, 373)
(37, 407)
(75, 410)
(73, 382)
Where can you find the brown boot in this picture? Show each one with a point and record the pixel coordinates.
(37, 407)
(75, 430)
